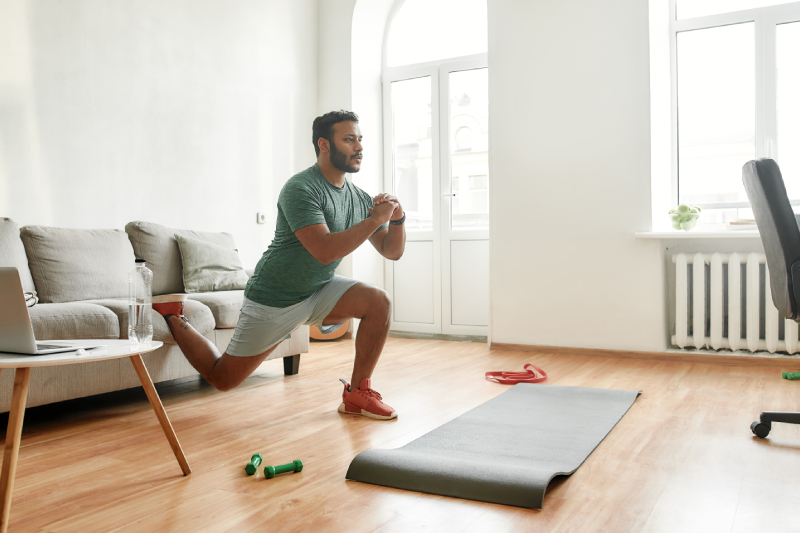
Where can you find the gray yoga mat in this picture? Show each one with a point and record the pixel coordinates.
(504, 451)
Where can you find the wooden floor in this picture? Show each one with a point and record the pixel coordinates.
(682, 459)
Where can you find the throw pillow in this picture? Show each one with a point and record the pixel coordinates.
(210, 267)
(157, 245)
(69, 265)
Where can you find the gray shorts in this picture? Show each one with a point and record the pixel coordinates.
(260, 327)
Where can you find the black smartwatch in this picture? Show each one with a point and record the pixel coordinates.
(398, 222)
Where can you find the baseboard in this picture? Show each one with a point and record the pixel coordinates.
(786, 362)
(436, 336)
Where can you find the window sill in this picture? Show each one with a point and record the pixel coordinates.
(699, 234)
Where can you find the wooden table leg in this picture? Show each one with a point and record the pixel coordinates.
(13, 437)
(161, 414)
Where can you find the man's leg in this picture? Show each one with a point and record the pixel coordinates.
(224, 371)
(372, 306)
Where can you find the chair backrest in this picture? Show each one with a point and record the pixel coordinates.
(779, 232)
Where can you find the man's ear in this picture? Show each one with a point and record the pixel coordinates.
(324, 145)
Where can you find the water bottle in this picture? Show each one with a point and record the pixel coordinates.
(140, 302)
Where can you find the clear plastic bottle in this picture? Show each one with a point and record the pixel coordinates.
(140, 302)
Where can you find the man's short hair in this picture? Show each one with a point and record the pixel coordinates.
(323, 126)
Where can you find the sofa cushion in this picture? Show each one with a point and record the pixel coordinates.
(224, 305)
(157, 245)
(210, 267)
(73, 320)
(198, 315)
(12, 252)
(78, 264)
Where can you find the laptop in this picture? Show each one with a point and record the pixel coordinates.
(16, 332)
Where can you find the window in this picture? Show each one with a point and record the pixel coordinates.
(437, 90)
(736, 97)
(700, 8)
(425, 30)
(411, 124)
(479, 194)
(463, 139)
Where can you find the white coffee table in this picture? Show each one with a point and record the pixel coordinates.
(111, 349)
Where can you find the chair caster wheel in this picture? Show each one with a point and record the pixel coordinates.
(760, 429)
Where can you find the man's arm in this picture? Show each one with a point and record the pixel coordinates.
(327, 247)
(391, 242)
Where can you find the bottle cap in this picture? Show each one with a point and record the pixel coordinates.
(139, 260)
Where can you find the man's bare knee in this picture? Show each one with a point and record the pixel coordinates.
(225, 384)
(382, 303)
(226, 381)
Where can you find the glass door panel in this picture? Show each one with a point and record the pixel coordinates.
(412, 147)
(469, 149)
(788, 105)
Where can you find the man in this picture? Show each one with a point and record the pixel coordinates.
(322, 218)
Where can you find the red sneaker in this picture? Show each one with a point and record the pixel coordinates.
(365, 401)
(169, 304)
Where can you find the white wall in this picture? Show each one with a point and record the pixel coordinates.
(570, 171)
(335, 92)
(370, 18)
(335, 26)
(186, 113)
(350, 47)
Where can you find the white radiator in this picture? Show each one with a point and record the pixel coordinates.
(723, 301)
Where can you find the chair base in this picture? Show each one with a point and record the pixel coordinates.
(762, 427)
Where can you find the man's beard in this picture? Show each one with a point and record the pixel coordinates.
(339, 160)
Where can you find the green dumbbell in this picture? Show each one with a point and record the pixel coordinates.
(295, 466)
(791, 376)
(252, 466)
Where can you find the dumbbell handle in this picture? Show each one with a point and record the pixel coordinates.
(271, 471)
(252, 466)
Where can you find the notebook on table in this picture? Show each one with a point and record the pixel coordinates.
(16, 331)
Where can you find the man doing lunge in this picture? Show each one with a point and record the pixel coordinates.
(322, 217)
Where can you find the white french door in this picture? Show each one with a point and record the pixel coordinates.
(436, 159)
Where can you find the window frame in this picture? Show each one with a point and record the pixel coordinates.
(441, 135)
(765, 21)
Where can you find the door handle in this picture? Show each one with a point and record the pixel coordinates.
(447, 195)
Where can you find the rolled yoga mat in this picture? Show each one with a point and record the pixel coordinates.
(504, 451)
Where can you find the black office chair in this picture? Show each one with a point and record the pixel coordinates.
(781, 238)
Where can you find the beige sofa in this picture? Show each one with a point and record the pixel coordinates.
(81, 276)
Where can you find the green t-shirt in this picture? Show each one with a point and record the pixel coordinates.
(287, 273)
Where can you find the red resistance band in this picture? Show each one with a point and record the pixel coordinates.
(511, 378)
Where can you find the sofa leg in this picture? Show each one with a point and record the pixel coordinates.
(291, 365)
